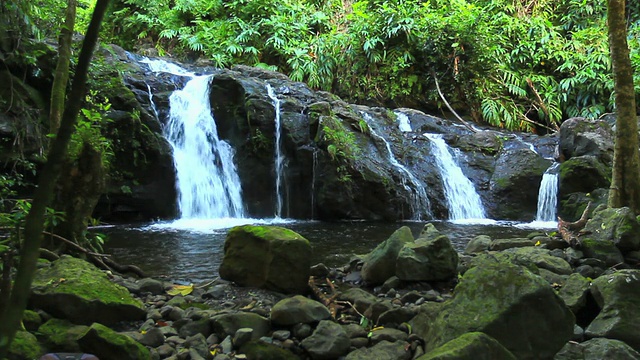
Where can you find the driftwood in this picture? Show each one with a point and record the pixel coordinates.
(571, 230)
(328, 301)
(466, 124)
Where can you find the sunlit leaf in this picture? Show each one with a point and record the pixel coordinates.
(180, 290)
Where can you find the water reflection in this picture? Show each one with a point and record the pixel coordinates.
(195, 255)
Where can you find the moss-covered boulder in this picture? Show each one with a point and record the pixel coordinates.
(62, 335)
(24, 346)
(397, 350)
(618, 225)
(597, 349)
(74, 289)
(328, 341)
(108, 344)
(583, 174)
(580, 136)
(430, 258)
(268, 257)
(574, 292)
(298, 309)
(603, 250)
(380, 264)
(264, 351)
(618, 295)
(533, 258)
(478, 244)
(470, 346)
(510, 304)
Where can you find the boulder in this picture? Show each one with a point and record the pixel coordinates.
(268, 257)
(380, 264)
(108, 344)
(478, 244)
(533, 258)
(473, 345)
(597, 349)
(618, 295)
(74, 289)
(430, 258)
(328, 341)
(24, 346)
(618, 225)
(583, 174)
(503, 244)
(228, 324)
(509, 303)
(360, 299)
(298, 309)
(579, 137)
(574, 292)
(603, 250)
(382, 350)
(260, 350)
(62, 335)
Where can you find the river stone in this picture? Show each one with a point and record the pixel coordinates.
(225, 325)
(74, 289)
(427, 259)
(615, 224)
(380, 264)
(503, 244)
(24, 346)
(478, 244)
(62, 335)
(108, 344)
(382, 350)
(583, 174)
(574, 292)
(268, 257)
(328, 341)
(360, 299)
(597, 349)
(298, 309)
(387, 334)
(473, 345)
(604, 250)
(260, 350)
(509, 303)
(618, 295)
(530, 257)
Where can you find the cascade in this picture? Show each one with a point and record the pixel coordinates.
(279, 156)
(464, 202)
(153, 104)
(548, 194)
(403, 122)
(206, 178)
(419, 195)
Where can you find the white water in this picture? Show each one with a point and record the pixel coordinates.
(279, 156)
(419, 195)
(548, 195)
(403, 122)
(207, 181)
(464, 202)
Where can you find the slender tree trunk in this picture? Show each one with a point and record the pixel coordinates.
(61, 76)
(625, 182)
(11, 316)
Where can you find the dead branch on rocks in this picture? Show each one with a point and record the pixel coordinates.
(328, 301)
(571, 230)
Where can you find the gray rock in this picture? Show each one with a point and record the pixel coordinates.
(242, 336)
(396, 316)
(387, 334)
(382, 350)
(597, 349)
(108, 344)
(427, 259)
(301, 331)
(615, 224)
(328, 341)
(603, 250)
(574, 292)
(380, 264)
(354, 331)
(165, 350)
(478, 244)
(217, 292)
(360, 299)
(503, 244)
(193, 327)
(298, 309)
(225, 325)
(152, 338)
(149, 285)
(473, 345)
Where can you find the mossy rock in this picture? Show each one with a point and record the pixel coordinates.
(225, 325)
(76, 290)
(470, 346)
(583, 174)
(62, 335)
(615, 224)
(380, 263)
(269, 257)
(604, 250)
(31, 320)
(108, 344)
(24, 346)
(258, 350)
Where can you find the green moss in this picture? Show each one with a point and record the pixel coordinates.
(268, 232)
(24, 346)
(108, 344)
(264, 351)
(473, 345)
(62, 335)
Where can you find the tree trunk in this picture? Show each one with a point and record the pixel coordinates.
(12, 315)
(61, 76)
(625, 182)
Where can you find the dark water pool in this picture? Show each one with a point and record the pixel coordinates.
(194, 255)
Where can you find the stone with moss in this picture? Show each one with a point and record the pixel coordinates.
(509, 303)
(575, 291)
(583, 174)
(380, 263)
(225, 325)
(269, 257)
(108, 344)
(430, 258)
(603, 250)
(31, 320)
(264, 351)
(62, 335)
(470, 346)
(618, 225)
(24, 346)
(298, 309)
(75, 290)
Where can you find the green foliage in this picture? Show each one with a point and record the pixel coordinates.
(89, 129)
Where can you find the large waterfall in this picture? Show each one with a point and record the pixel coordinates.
(279, 154)
(207, 182)
(462, 198)
(548, 195)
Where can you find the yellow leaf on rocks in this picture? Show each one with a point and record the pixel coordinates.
(180, 290)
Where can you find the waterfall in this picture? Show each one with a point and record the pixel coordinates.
(548, 195)
(418, 194)
(153, 104)
(464, 202)
(313, 184)
(279, 156)
(403, 122)
(207, 181)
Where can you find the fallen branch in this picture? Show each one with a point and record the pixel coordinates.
(569, 230)
(328, 301)
(433, 73)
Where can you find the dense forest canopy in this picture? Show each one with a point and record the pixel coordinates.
(510, 63)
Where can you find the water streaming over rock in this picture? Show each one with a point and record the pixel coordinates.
(207, 181)
(404, 124)
(279, 155)
(464, 202)
(548, 195)
(420, 201)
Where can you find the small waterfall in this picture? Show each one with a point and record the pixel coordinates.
(419, 195)
(207, 182)
(313, 184)
(548, 195)
(403, 122)
(464, 202)
(153, 104)
(279, 156)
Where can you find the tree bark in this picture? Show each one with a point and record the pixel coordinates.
(61, 76)
(625, 182)
(11, 316)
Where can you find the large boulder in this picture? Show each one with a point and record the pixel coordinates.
(473, 345)
(509, 303)
(579, 137)
(615, 224)
(74, 289)
(618, 295)
(268, 257)
(108, 344)
(380, 264)
(24, 346)
(597, 349)
(583, 174)
(430, 258)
